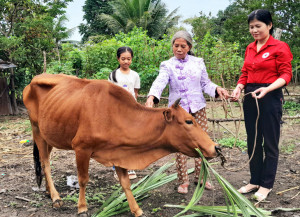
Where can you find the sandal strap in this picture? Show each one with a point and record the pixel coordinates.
(244, 190)
(183, 188)
(131, 172)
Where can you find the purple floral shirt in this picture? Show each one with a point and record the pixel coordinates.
(187, 79)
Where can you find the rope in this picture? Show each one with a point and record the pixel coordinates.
(254, 146)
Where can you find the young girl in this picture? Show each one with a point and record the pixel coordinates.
(124, 77)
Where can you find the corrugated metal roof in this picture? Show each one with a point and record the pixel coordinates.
(6, 65)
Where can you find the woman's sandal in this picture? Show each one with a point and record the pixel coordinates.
(132, 174)
(245, 189)
(208, 185)
(260, 197)
(183, 188)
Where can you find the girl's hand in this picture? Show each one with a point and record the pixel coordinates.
(262, 92)
(222, 92)
(149, 102)
(236, 93)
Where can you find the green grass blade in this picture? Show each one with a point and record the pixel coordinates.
(117, 203)
(236, 203)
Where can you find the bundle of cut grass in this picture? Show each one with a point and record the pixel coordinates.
(236, 203)
(117, 203)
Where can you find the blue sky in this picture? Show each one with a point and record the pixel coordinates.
(187, 9)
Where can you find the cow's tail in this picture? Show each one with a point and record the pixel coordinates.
(37, 165)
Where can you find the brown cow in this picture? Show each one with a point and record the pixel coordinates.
(102, 121)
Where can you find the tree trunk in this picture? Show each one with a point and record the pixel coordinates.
(45, 61)
(277, 33)
(58, 54)
(13, 92)
(5, 104)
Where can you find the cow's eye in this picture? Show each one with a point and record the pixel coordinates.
(189, 121)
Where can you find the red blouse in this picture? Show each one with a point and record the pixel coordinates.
(273, 61)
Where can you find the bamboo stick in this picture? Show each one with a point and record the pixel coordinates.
(280, 192)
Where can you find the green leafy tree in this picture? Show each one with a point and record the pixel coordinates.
(151, 15)
(231, 25)
(232, 22)
(201, 25)
(94, 26)
(27, 32)
(60, 32)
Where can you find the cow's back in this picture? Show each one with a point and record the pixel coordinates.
(64, 106)
(53, 104)
(38, 89)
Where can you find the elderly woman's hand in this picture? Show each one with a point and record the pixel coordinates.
(149, 102)
(222, 92)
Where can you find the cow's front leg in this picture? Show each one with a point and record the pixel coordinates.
(125, 182)
(82, 161)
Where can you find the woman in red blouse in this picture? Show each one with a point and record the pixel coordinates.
(267, 68)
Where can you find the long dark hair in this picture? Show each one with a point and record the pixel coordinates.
(121, 50)
(261, 15)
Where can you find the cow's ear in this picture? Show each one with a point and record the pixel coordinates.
(168, 115)
(176, 103)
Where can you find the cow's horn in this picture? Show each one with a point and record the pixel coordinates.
(176, 103)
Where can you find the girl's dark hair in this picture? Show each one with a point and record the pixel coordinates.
(263, 16)
(121, 50)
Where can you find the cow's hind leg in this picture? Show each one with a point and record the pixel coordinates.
(44, 154)
(82, 161)
(125, 182)
(46, 182)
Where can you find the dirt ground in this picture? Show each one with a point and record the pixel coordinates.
(19, 195)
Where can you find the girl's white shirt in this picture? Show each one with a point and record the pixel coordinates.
(128, 81)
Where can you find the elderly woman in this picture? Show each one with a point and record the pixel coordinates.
(188, 79)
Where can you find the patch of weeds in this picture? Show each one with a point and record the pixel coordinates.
(115, 187)
(154, 210)
(295, 121)
(73, 198)
(37, 196)
(291, 105)
(13, 204)
(291, 113)
(288, 149)
(35, 204)
(56, 158)
(236, 104)
(27, 125)
(292, 108)
(3, 128)
(98, 198)
(230, 143)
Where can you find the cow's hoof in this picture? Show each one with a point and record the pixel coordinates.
(139, 213)
(83, 214)
(57, 204)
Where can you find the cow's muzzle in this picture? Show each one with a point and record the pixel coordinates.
(219, 153)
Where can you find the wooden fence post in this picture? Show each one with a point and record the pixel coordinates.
(277, 33)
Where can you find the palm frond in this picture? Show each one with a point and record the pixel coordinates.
(114, 22)
(148, 14)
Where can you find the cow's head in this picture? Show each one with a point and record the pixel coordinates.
(185, 134)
